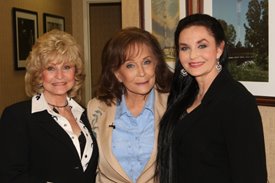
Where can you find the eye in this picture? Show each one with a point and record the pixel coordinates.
(201, 46)
(50, 68)
(129, 65)
(183, 48)
(147, 62)
(67, 67)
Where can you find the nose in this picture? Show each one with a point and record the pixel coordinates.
(193, 54)
(140, 71)
(59, 73)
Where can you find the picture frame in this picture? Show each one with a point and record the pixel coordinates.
(194, 6)
(263, 91)
(152, 19)
(25, 33)
(51, 21)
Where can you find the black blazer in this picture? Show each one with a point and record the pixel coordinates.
(221, 141)
(35, 149)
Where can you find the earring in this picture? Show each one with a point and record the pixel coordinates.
(183, 72)
(219, 67)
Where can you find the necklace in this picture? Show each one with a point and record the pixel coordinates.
(55, 107)
(59, 106)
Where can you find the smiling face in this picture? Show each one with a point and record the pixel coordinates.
(58, 79)
(198, 52)
(137, 73)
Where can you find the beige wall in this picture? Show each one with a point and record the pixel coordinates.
(130, 13)
(11, 81)
(268, 117)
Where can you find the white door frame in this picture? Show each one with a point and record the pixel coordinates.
(87, 45)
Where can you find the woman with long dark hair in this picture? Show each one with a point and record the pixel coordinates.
(212, 129)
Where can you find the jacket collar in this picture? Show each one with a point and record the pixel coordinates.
(107, 115)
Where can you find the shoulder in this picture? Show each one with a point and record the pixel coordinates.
(96, 109)
(233, 89)
(161, 98)
(15, 115)
(96, 104)
(238, 91)
(22, 107)
(160, 103)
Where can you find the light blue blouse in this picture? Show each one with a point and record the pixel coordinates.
(133, 137)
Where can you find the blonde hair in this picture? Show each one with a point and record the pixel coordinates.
(53, 46)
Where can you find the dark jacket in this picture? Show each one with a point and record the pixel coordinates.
(221, 141)
(35, 149)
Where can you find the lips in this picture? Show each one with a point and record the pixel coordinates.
(195, 64)
(142, 83)
(59, 84)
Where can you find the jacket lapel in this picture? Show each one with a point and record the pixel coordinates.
(212, 93)
(48, 124)
(159, 109)
(106, 141)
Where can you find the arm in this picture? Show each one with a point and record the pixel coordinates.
(14, 147)
(245, 141)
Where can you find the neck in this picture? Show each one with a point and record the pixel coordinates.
(136, 99)
(58, 101)
(135, 104)
(59, 106)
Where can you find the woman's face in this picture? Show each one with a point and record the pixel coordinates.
(198, 52)
(58, 79)
(137, 73)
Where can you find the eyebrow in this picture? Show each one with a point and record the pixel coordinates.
(202, 40)
(198, 42)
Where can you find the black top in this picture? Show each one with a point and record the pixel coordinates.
(35, 149)
(82, 142)
(221, 141)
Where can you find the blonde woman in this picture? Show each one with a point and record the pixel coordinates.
(48, 138)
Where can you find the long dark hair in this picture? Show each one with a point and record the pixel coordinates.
(182, 94)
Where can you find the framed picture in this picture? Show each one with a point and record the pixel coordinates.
(25, 30)
(53, 22)
(248, 25)
(160, 17)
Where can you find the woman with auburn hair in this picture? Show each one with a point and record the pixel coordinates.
(130, 101)
(49, 138)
